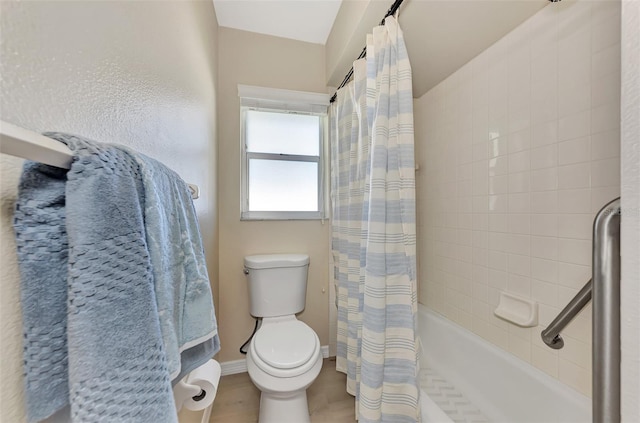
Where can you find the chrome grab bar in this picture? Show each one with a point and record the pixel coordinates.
(606, 314)
(604, 288)
(551, 335)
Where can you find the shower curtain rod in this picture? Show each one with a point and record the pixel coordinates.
(394, 7)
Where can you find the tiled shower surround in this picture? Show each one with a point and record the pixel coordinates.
(517, 152)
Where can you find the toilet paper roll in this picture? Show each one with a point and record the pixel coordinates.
(182, 391)
(198, 389)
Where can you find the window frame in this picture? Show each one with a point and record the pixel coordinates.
(245, 213)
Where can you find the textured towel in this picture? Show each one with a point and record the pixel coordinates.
(183, 293)
(41, 240)
(112, 365)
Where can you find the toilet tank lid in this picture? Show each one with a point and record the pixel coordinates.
(268, 261)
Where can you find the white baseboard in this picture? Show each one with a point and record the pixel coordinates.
(240, 366)
(325, 351)
(233, 367)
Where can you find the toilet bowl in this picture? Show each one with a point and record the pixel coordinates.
(284, 356)
(283, 360)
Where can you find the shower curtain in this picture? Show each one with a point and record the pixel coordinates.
(374, 233)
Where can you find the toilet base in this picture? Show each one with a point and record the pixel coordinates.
(278, 408)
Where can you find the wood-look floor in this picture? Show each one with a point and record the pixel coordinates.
(238, 400)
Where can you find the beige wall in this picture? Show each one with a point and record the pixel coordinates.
(254, 59)
(348, 34)
(630, 242)
(518, 151)
(137, 73)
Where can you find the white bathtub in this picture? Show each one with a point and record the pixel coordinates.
(486, 383)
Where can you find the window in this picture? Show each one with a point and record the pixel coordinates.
(282, 153)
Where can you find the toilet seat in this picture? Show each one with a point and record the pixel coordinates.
(285, 349)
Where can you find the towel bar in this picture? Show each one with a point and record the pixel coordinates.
(20, 142)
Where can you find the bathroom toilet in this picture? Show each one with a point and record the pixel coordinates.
(284, 356)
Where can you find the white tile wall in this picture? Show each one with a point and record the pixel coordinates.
(517, 151)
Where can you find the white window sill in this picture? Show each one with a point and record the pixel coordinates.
(282, 215)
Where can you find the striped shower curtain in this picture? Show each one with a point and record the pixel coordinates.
(374, 233)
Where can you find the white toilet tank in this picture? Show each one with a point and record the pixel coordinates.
(277, 284)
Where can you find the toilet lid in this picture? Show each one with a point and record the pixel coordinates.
(285, 345)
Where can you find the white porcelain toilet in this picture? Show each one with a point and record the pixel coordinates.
(284, 356)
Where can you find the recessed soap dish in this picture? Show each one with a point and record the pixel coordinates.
(517, 310)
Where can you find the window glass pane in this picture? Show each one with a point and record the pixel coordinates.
(282, 133)
(281, 185)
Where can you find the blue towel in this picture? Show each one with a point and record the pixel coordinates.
(41, 240)
(93, 336)
(183, 292)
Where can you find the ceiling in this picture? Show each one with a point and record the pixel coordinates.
(304, 20)
(441, 35)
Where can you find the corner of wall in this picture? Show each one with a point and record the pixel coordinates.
(630, 243)
(354, 20)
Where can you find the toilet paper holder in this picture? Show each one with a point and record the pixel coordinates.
(200, 396)
(198, 389)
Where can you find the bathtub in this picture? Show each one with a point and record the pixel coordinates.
(465, 378)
